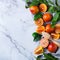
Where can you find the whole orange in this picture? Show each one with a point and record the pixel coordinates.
(34, 9)
(47, 17)
(49, 29)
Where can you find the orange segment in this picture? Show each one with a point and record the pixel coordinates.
(43, 7)
(39, 22)
(38, 50)
(40, 29)
(55, 36)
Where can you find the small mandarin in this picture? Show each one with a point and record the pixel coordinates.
(43, 7)
(47, 17)
(34, 9)
(49, 29)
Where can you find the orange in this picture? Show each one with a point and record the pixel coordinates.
(34, 9)
(47, 17)
(59, 35)
(55, 36)
(49, 29)
(57, 25)
(39, 22)
(43, 7)
(40, 29)
(38, 50)
(57, 28)
(52, 47)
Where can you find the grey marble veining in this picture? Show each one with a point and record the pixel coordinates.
(16, 28)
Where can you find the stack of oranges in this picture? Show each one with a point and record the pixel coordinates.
(44, 25)
(47, 17)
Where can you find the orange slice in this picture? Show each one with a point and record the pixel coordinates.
(38, 50)
(40, 29)
(55, 36)
(39, 22)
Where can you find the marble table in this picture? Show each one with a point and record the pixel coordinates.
(16, 28)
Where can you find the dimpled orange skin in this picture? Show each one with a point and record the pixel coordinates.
(43, 7)
(34, 9)
(47, 17)
(52, 47)
(49, 29)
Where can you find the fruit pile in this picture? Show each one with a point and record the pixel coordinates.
(48, 30)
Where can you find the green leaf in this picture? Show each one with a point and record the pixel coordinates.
(38, 58)
(45, 2)
(55, 19)
(37, 2)
(34, 3)
(50, 2)
(27, 1)
(52, 9)
(59, 15)
(52, 56)
(44, 59)
(36, 36)
(49, 56)
(41, 1)
(37, 16)
(56, 2)
(57, 5)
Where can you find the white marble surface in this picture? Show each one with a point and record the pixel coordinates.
(16, 27)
